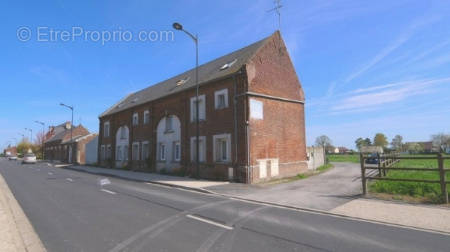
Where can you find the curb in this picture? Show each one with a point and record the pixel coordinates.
(28, 239)
(303, 209)
(201, 190)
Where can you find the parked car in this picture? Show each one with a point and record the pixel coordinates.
(29, 158)
(12, 158)
(373, 159)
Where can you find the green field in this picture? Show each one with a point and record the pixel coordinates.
(429, 191)
(353, 158)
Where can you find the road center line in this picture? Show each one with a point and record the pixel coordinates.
(209, 222)
(107, 191)
(69, 179)
(50, 173)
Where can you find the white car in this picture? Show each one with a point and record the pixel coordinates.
(12, 158)
(29, 158)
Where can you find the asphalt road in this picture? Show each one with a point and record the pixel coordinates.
(71, 211)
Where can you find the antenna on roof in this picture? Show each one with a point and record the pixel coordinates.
(276, 9)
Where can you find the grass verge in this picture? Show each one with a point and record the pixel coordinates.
(320, 169)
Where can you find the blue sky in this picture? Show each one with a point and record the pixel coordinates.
(365, 66)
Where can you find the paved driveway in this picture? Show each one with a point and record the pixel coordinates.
(324, 191)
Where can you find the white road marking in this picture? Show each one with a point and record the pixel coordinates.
(209, 222)
(50, 173)
(107, 191)
(69, 179)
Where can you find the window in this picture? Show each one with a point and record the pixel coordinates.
(176, 151)
(146, 117)
(169, 127)
(106, 129)
(135, 151)
(145, 150)
(221, 99)
(125, 152)
(201, 108)
(222, 148)
(135, 119)
(123, 133)
(256, 109)
(108, 151)
(201, 147)
(119, 153)
(102, 152)
(162, 152)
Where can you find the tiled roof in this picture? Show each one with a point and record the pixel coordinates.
(207, 72)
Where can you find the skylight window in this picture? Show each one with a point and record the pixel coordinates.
(182, 81)
(227, 65)
(135, 100)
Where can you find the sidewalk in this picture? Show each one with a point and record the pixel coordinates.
(181, 182)
(17, 234)
(325, 193)
(412, 215)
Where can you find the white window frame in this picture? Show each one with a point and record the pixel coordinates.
(162, 154)
(227, 139)
(146, 119)
(122, 132)
(125, 152)
(176, 157)
(106, 129)
(133, 152)
(217, 94)
(202, 147)
(135, 119)
(201, 108)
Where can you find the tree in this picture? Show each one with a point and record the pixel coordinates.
(360, 142)
(323, 141)
(441, 141)
(380, 140)
(415, 148)
(397, 143)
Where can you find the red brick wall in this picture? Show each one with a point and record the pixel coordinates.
(281, 134)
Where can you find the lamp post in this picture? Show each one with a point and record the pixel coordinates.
(23, 136)
(31, 134)
(71, 123)
(43, 137)
(179, 27)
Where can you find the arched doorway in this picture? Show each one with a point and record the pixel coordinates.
(168, 144)
(122, 142)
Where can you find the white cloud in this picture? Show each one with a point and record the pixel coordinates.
(366, 99)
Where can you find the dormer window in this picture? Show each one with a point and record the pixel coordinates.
(227, 65)
(183, 81)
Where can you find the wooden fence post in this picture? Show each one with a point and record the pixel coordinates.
(442, 178)
(363, 174)
(379, 164)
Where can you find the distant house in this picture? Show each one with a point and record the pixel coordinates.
(60, 146)
(251, 113)
(341, 150)
(10, 151)
(426, 147)
(371, 149)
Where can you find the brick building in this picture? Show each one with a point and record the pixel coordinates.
(251, 111)
(59, 145)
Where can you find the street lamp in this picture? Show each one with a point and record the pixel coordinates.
(43, 137)
(23, 136)
(179, 27)
(31, 134)
(71, 123)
